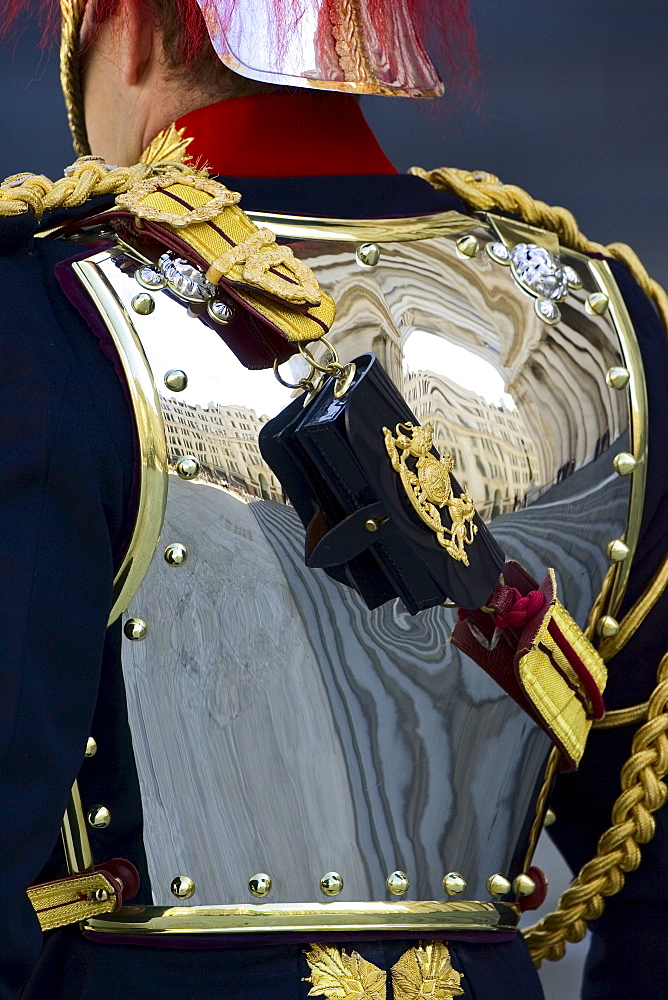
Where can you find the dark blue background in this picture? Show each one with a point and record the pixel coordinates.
(573, 107)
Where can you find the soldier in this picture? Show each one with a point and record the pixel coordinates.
(328, 799)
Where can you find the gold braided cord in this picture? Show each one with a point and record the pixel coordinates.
(618, 852)
(485, 192)
(350, 43)
(71, 18)
(617, 717)
(86, 178)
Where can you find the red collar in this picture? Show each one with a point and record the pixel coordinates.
(284, 134)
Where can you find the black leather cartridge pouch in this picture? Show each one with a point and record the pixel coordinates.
(361, 526)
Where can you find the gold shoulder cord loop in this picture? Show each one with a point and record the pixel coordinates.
(616, 717)
(643, 788)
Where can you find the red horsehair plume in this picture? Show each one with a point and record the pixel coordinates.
(444, 25)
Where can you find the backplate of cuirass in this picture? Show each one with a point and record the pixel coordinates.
(288, 740)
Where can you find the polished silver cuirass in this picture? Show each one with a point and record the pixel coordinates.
(294, 747)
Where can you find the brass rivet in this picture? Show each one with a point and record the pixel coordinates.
(260, 884)
(135, 629)
(91, 747)
(176, 554)
(176, 380)
(597, 303)
(467, 246)
(607, 626)
(617, 550)
(143, 303)
(101, 895)
(624, 463)
(523, 885)
(397, 883)
(99, 817)
(618, 378)
(187, 467)
(331, 884)
(374, 523)
(368, 255)
(183, 887)
(550, 817)
(221, 311)
(454, 883)
(498, 885)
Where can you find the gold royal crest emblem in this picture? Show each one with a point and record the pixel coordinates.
(429, 487)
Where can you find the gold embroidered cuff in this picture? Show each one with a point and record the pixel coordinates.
(70, 900)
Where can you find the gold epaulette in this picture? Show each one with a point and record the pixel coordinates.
(196, 216)
(205, 216)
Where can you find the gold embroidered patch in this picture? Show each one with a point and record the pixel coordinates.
(425, 971)
(429, 487)
(69, 900)
(134, 200)
(339, 976)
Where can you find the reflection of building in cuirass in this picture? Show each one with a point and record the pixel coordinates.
(223, 439)
(494, 457)
(559, 384)
(555, 375)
